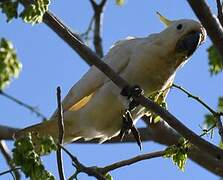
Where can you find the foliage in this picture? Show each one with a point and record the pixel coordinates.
(9, 64)
(32, 13)
(215, 61)
(25, 155)
(178, 153)
(210, 120)
(221, 144)
(108, 176)
(120, 2)
(159, 98)
(9, 8)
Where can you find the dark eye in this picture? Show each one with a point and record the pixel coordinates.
(179, 26)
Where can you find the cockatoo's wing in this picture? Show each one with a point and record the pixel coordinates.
(81, 93)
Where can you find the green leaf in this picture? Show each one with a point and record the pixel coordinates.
(9, 64)
(34, 12)
(221, 144)
(159, 98)
(215, 61)
(178, 153)
(209, 121)
(108, 177)
(9, 8)
(120, 2)
(25, 156)
(220, 104)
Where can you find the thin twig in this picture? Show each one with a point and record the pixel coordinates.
(220, 14)
(61, 135)
(90, 171)
(195, 98)
(6, 153)
(216, 115)
(130, 161)
(85, 35)
(9, 171)
(210, 23)
(31, 108)
(98, 21)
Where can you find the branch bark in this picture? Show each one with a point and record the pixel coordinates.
(220, 14)
(61, 135)
(210, 22)
(131, 161)
(7, 132)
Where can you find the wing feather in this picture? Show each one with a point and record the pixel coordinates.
(80, 94)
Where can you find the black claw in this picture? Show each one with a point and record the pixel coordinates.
(128, 127)
(131, 91)
(136, 135)
(126, 91)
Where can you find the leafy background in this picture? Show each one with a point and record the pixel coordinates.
(48, 62)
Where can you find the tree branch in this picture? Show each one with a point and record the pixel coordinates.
(162, 133)
(90, 171)
(220, 14)
(61, 135)
(9, 171)
(211, 24)
(6, 153)
(7, 132)
(85, 35)
(131, 161)
(217, 115)
(19, 102)
(98, 18)
(212, 111)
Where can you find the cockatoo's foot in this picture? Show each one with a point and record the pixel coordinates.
(131, 92)
(128, 127)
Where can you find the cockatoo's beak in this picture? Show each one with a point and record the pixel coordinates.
(164, 20)
(189, 43)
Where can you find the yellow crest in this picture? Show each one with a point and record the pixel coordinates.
(164, 20)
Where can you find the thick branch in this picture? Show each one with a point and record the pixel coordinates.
(7, 133)
(210, 22)
(220, 14)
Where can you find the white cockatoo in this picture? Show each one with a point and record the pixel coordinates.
(93, 108)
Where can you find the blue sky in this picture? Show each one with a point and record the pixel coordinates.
(49, 62)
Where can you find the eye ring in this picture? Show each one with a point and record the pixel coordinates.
(179, 26)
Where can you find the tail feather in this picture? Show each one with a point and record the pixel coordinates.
(42, 129)
(50, 128)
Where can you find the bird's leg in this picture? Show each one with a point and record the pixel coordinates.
(128, 125)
